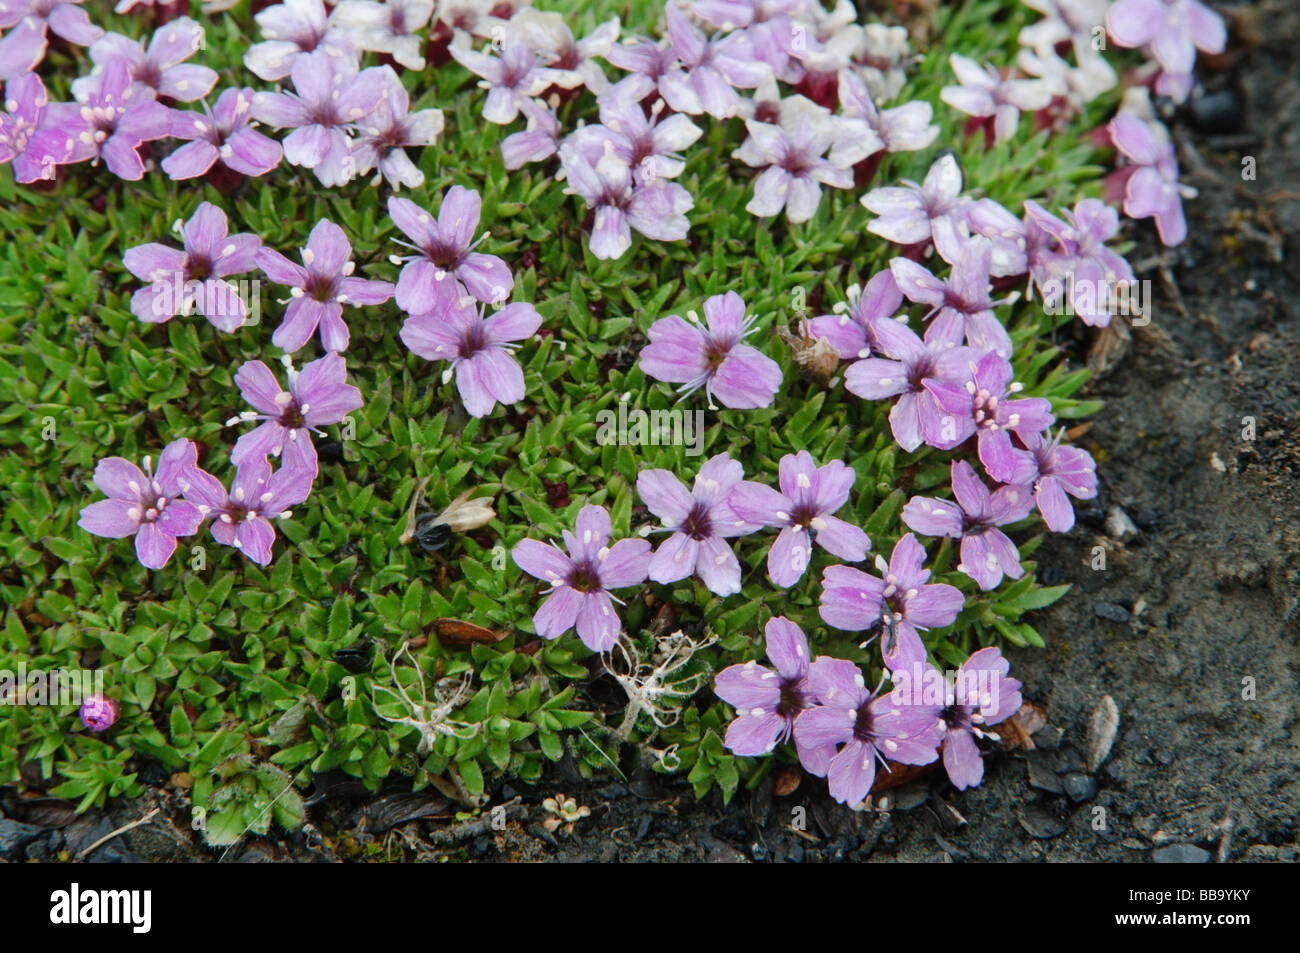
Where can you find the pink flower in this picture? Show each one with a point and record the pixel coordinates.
(145, 505)
(445, 252)
(700, 521)
(986, 552)
(1152, 189)
(802, 509)
(581, 580)
(900, 601)
(984, 93)
(225, 135)
(257, 496)
(477, 346)
(769, 700)
(711, 355)
(982, 405)
(318, 395)
(865, 727)
(319, 288)
(194, 278)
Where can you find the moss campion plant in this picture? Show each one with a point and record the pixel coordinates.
(479, 232)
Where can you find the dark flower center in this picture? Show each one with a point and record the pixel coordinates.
(802, 515)
(956, 716)
(147, 73)
(199, 267)
(441, 255)
(794, 162)
(698, 525)
(918, 372)
(792, 698)
(291, 418)
(569, 59)
(474, 340)
(584, 578)
(863, 729)
(319, 287)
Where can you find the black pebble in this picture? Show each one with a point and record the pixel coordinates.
(329, 452)
(1216, 112)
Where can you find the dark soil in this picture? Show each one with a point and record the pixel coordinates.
(1192, 627)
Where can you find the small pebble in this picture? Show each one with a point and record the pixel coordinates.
(1118, 524)
(1180, 854)
(1079, 787)
(1111, 612)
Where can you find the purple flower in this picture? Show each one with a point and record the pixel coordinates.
(710, 69)
(905, 128)
(318, 395)
(161, 67)
(646, 145)
(64, 17)
(865, 726)
(900, 603)
(510, 79)
(962, 305)
(791, 156)
(387, 132)
(619, 203)
(292, 29)
(650, 64)
(478, 347)
(1174, 30)
(26, 99)
(465, 18)
(911, 213)
(1092, 272)
(1010, 239)
(1059, 470)
(257, 496)
(99, 713)
(110, 120)
(537, 142)
(986, 552)
(769, 700)
(226, 135)
(852, 329)
(145, 505)
(980, 405)
(329, 97)
(580, 581)
(980, 695)
(445, 253)
(902, 366)
(568, 63)
(695, 354)
(23, 47)
(1152, 190)
(700, 521)
(983, 93)
(393, 27)
(181, 281)
(319, 289)
(802, 508)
